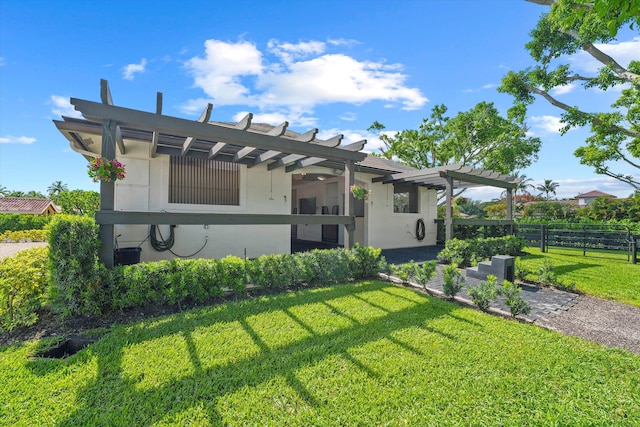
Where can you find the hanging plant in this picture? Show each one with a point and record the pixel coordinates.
(102, 169)
(359, 192)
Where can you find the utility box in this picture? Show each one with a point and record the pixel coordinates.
(127, 256)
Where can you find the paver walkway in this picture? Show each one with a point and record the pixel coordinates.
(544, 302)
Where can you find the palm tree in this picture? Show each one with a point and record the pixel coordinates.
(3, 191)
(548, 187)
(55, 189)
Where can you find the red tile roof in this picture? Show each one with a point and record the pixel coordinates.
(593, 194)
(21, 205)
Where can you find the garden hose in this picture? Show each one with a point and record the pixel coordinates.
(420, 230)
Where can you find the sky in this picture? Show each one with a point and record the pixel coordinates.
(334, 65)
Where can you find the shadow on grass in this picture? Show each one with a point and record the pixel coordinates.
(568, 268)
(114, 397)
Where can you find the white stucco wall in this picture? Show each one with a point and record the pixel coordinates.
(389, 230)
(145, 188)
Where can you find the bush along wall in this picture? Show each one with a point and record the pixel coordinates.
(466, 252)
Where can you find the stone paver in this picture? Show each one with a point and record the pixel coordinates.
(545, 302)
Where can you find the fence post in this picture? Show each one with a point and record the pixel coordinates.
(543, 236)
(584, 240)
(634, 249)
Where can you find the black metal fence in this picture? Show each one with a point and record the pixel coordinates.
(582, 236)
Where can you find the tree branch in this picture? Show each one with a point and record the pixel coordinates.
(605, 59)
(567, 108)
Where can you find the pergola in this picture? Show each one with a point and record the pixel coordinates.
(241, 142)
(447, 178)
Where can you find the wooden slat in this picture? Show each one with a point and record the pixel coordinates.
(204, 118)
(105, 92)
(129, 217)
(141, 120)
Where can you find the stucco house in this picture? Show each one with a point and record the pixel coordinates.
(586, 198)
(209, 189)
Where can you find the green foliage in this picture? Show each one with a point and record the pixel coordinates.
(549, 210)
(23, 283)
(465, 252)
(484, 293)
(24, 236)
(569, 28)
(73, 259)
(453, 280)
(423, 273)
(405, 271)
(364, 261)
(80, 202)
(513, 300)
(480, 136)
(273, 271)
(17, 222)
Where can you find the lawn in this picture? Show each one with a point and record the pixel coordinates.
(600, 273)
(368, 353)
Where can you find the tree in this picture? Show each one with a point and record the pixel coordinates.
(80, 202)
(479, 137)
(55, 189)
(548, 187)
(569, 27)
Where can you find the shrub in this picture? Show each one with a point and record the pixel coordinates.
(326, 266)
(272, 271)
(231, 273)
(423, 273)
(455, 252)
(73, 259)
(453, 280)
(514, 301)
(484, 293)
(405, 271)
(464, 252)
(24, 236)
(364, 261)
(23, 281)
(17, 222)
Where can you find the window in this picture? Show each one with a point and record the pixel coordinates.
(405, 198)
(203, 182)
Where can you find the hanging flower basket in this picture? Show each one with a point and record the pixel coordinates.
(102, 169)
(359, 193)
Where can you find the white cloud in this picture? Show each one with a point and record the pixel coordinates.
(562, 90)
(219, 72)
(129, 71)
(349, 116)
(300, 77)
(17, 140)
(623, 52)
(62, 107)
(547, 124)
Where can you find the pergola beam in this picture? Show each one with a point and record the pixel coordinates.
(478, 179)
(208, 131)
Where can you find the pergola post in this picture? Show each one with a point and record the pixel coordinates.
(349, 204)
(107, 193)
(448, 219)
(510, 208)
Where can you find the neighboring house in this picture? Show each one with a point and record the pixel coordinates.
(586, 198)
(27, 206)
(251, 187)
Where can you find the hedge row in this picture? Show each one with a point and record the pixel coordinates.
(17, 222)
(466, 252)
(23, 236)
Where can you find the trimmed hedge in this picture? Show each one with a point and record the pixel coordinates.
(466, 252)
(17, 222)
(23, 236)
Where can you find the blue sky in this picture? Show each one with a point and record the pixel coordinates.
(334, 65)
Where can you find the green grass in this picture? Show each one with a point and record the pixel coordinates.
(360, 354)
(600, 273)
